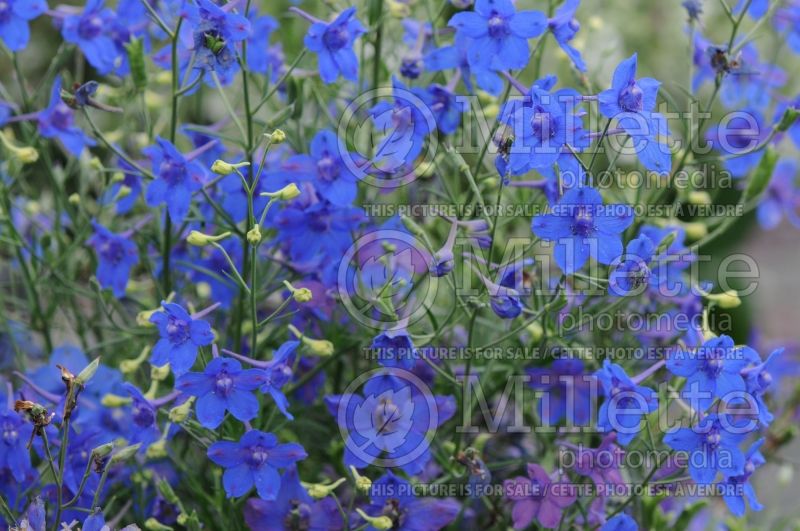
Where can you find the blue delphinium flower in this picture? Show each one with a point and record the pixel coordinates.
(15, 433)
(333, 44)
(181, 336)
(567, 392)
(14, 17)
(505, 295)
(394, 348)
(713, 369)
(565, 26)
(740, 138)
(759, 378)
(621, 522)
(326, 170)
(694, 8)
(580, 226)
(58, 121)
(277, 373)
(632, 101)
(293, 505)
(393, 496)
(625, 402)
(736, 489)
(756, 9)
(222, 386)
(537, 497)
(144, 428)
(254, 461)
(782, 197)
(713, 447)
(91, 31)
(116, 255)
(176, 179)
(132, 183)
(456, 56)
(214, 35)
(500, 33)
(261, 57)
(633, 271)
(786, 19)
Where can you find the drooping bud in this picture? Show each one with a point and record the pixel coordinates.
(159, 374)
(726, 300)
(112, 400)
(125, 454)
(157, 450)
(288, 192)
(363, 483)
(277, 137)
(151, 524)
(699, 198)
(25, 154)
(226, 168)
(378, 522)
(129, 366)
(300, 295)
(318, 347)
(320, 490)
(180, 413)
(86, 374)
(199, 239)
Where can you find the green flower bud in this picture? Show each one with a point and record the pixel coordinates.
(125, 454)
(320, 490)
(378, 522)
(102, 450)
(287, 193)
(154, 525)
(726, 300)
(157, 450)
(226, 168)
(180, 413)
(699, 198)
(199, 239)
(277, 137)
(363, 483)
(300, 295)
(254, 235)
(74, 199)
(159, 374)
(86, 374)
(112, 400)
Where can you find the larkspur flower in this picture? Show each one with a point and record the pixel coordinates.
(181, 336)
(116, 255)
(214, 33)
(15, 433)
(326, 170)
(333, 44)
(455, 56)
(782, 197)
(537, 497)
(786, 20)
(500, 33)
(222, 386)
(565, 26)
(176, 179)
(738, 488)
(144, 426)
(631, 101)
(581, 226)
(394, 348)
(261, 57)
(444, 106)
(567, 392)
(254, 461)
(740, 138)
(602, 464)
(625, 402)
(694, 8)
(759, 379)
(277, 373)
(713, 447)
(712, 370)
(91, 32)
(58, 121)
(632, 271)
(14, 17)
(621, 522)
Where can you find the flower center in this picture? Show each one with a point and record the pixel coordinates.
(713, 439)
(112, 251)
(498, 27)
(178, 330)
(61, 116)
(714, 361)
(142, 414)
(543, 125)
(10, 432)
(328, 168)
(172, 171)
(631, 99)
(385, 414)
(583, 225)
(258, 456)
(335, 38)
(223, 384)
(90, 27)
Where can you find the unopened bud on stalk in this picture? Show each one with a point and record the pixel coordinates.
(254, 235)
(378, 522)
(318, 347)
(180, 413)
(226, 168)
(277, 137)
(25, 154)
(726, 300)
(299, 294)
(199, 239)
(320, 490)
(159, 374)
(363, 483)
(288, 192)
(112, 400)
(699, 198)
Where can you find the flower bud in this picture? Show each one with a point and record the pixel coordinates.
(254, 235)
(151, 524)
(378, 522)
(159, 374)
(318, 347)
(226, 168)
(132, 365)
(86, 374)
(288, 192)
(102, 450)
(180, 413)
(199, 239)
(157, 450)
(25, 155)
(320, 490)
(300, 295)
(699, 198)
(143, 317)
(363, 483)
(277, 137)
(125, 454)
(74, 199)
(535, 330)
(398, 9)
(695, 230)
(112, 400)
(726, 300)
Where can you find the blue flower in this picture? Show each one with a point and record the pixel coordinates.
(738, 138)
(444, 106)
(713, 447)
(393, 496)
(621, 522)
(582, 226)
(567, 391)
(181, 336)
(15, 433)
(505, 295)
(294, 505)
(757, 9)
(333, 44)
(625, 402)
(58, 121)
(176, 179)
(537, 497)
(116, 255)
(214, 33)
(565, 26)
(94, 522)
(694, 8)
(326, 170)
(633, 271)
(759, 379)
(736, 488)
(713, 369)
(261, 57)
(394, 348)
(278, 373)
(14, 17)
(632, 101)
(144, 428)
(456, 56)
(782, 197)
(132, 181)
(222, 386)
(786, 20)
(500, 34)
(91, 31)
(254, 460)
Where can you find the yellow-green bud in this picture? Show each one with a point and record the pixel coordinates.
(320, 490)
(288, 192)
(95, 164)
(27, 155)
(157, 450)
(398, 9)
(112, 400)
(363, 483)
(695, 230)
(152, 524)
(86, 374)
(300, 295)
(726, 300)
(126, 453)
(699, 198)
(226, 168)
(378, 522)
(143, 317)
(123, 191)
(180, 413)
(159, 374)
(277, 137)
(535, 330)
(318, 347)
(200, 239)
(74, 199)
(254, 235)
(129, 366)
(103, 450)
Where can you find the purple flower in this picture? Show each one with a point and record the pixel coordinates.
(333, 44)
(712, 370)
(631, 101)
(144, 428)
(739, 138)
(176, 179)
(181, 336)
(736, 488)
(632, 271)
(582, 226)
(537, 497)
(14, 17)
(116, 255)
(500, 34)
(393, 496)
(222, 386)
(261, 57)
(91, 31)
(602, 464)
(58, 121)
(625, 402)
(713, 447)
(214, 33)
(254, 460)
